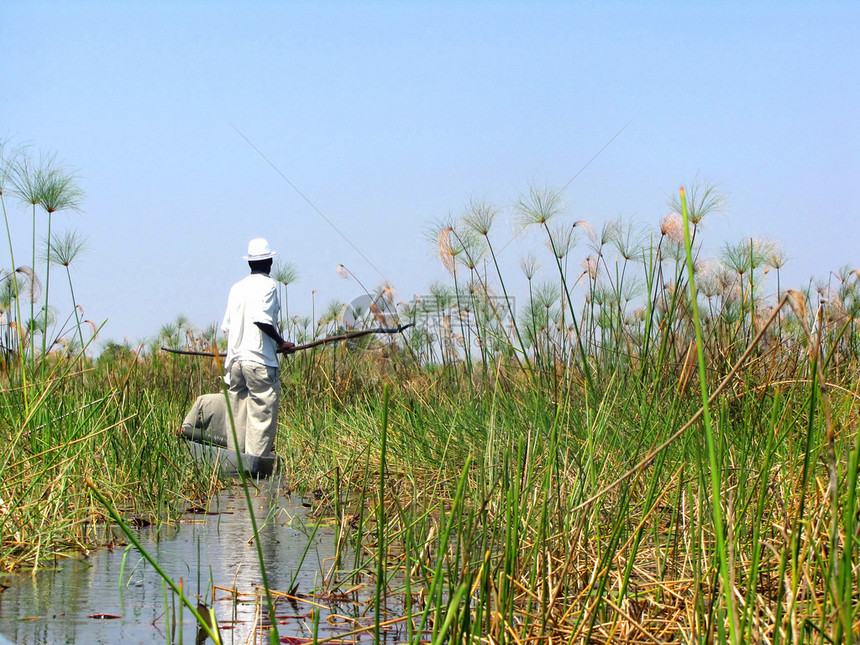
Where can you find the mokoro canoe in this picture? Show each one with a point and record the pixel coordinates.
(227, 461)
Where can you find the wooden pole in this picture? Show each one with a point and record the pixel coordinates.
(315, 343)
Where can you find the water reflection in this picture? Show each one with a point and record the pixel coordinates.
(115, 596)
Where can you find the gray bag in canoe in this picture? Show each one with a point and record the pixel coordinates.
(207, 421)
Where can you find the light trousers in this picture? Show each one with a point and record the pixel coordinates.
(254, 394)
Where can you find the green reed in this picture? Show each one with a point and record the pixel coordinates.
(535, 561)
(715, 466)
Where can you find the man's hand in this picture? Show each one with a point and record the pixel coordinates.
(286, 347)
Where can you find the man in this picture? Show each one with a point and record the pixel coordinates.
(251, 365)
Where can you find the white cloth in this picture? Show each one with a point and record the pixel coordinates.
(254, 299)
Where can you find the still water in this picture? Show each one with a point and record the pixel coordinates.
(114, 596)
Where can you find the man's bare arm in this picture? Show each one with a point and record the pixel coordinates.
(284, 346)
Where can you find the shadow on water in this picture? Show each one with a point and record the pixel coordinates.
(114, 596)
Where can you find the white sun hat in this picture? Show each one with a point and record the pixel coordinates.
(258, 249)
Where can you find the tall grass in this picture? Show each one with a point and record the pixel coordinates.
(63, 417)
(546, 474)
(620, 507)
(541, 557)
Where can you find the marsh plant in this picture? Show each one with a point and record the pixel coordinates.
(58, 425)
(663, 449)
(655, 445)
(44, 187)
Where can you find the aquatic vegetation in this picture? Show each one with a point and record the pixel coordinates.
(658, 446)
(525, 503)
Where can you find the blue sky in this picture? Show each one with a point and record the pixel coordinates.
(390, 116)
